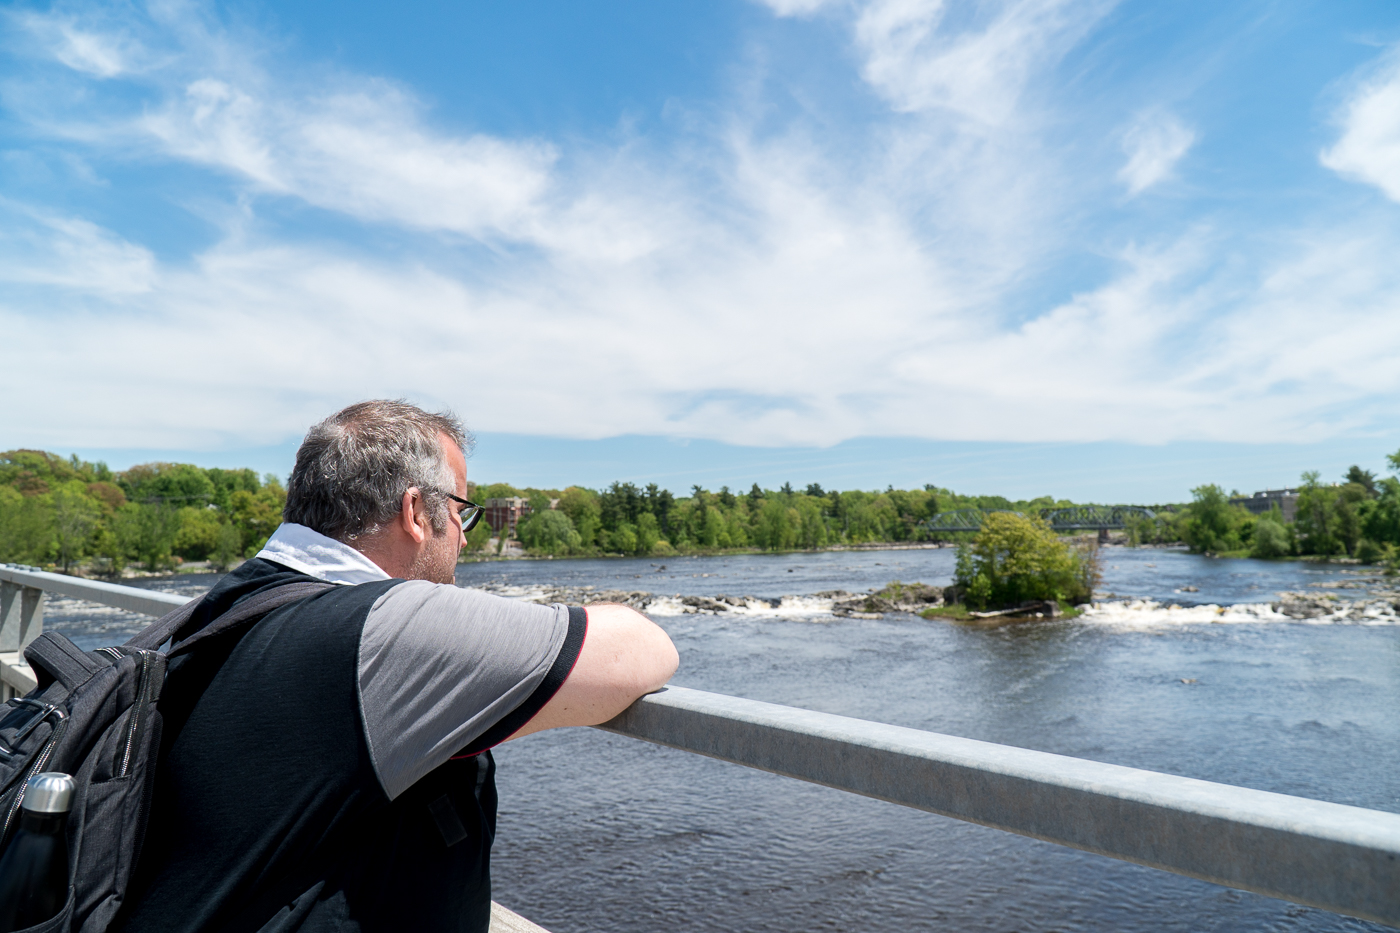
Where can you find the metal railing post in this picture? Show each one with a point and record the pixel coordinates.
(21, 615)
(21, 621)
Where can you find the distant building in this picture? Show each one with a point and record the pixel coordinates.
(1261, 502)
(506, 514)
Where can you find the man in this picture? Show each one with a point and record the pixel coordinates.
(329, 769)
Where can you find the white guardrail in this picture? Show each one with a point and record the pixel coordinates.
(1338, 858)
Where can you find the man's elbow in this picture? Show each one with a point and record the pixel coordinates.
(646, 657)
(665, 662)
(657, 658)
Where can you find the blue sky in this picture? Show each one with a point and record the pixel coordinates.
(1094, 249)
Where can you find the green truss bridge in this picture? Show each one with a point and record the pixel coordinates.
(1100, 518)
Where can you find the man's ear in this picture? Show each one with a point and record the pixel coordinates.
(409, 515)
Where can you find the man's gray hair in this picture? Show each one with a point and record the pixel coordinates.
(353, 468)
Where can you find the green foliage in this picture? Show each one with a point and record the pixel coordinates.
(1016, 558)
(1363, 478)
(198, 533)
(257, 514)
(1271, 538)
(176, 484)
(1331, 517)
(549, 532)
(1212, 525)
(581, 505)
(75, 518)
(648, 533)
(622, 540)
(26, 526)
(60, 512)
(498, 491)
(1382, 520)
(228, 546)
(1369, 552)
(228, 482)
(149, 531)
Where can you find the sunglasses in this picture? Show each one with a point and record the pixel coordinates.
(470, 515)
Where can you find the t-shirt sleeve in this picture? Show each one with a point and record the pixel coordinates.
(446, 671)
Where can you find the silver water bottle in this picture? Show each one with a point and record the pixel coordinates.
(34, 868)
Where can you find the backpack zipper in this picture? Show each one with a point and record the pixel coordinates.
(34, 768)
(138, 708)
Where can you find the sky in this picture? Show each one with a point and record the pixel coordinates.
(1100, 250)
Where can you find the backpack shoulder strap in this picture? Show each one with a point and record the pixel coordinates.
(251, 608)
(163, 629)
(54, 658)
(168, 626)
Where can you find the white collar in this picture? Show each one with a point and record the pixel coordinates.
(310, 552)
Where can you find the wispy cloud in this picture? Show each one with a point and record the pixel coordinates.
(1369, 147)
(103, 54)
(798, 7)
(1154, 144)
(978, 71)
(42, 248)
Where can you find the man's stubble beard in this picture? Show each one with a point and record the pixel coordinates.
(436, 563)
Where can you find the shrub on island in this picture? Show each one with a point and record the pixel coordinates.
(1017, 559)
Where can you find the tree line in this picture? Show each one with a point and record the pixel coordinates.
(67, 512)
(626, 518)
(1357, 517)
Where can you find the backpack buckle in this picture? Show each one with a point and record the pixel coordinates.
(38, 713)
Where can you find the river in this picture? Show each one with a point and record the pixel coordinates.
(603, 833)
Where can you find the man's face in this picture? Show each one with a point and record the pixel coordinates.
(437, 560)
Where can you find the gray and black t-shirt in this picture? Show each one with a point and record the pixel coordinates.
(440, 665)
(328, 769)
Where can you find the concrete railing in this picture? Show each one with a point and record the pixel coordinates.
(1339, 858)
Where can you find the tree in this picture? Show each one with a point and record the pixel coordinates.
(75, 518)
(199, 532)
(778, 526)
(661, 503)
(149, 530)
(1016, 558)
(228, 547)
(26, 526)
(755, 496)
(499, 491)
(228, 482)
(581, 505)
(1213, 525)
(1317, 523)
(1270, 536)
(1383, 522)
(177, 484)
(1352, 505)
(257, 514)
(623, 539)
(1363, 478)
(548, 532)
(648, 533)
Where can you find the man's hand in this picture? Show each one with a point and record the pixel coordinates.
(625, 656)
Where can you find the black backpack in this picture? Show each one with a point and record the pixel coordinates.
(95, 715)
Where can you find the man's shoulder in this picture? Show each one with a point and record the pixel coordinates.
(259, 575)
